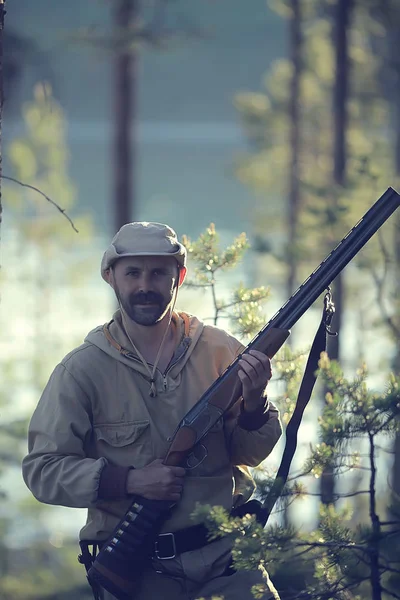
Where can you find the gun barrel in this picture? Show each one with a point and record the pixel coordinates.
(340, 256)
(317, 282)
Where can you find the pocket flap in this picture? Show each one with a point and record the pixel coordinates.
(120, 434)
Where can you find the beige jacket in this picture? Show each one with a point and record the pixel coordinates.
(96, 411)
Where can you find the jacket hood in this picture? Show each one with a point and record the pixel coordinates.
(112, 339)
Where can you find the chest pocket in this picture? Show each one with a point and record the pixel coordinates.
(125, 444)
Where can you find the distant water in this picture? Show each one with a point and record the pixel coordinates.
(148, 132)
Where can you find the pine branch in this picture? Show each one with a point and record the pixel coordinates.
(193, 284)
(337, 496)
(334, 545)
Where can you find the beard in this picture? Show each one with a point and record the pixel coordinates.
(144, 308)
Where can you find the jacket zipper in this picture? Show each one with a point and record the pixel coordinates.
(164, 375)
(171, 366)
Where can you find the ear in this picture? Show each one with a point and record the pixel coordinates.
(182, 275)
(110, 277)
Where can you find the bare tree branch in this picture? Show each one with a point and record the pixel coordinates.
(380, 285)
(32, 187)
(393, 594)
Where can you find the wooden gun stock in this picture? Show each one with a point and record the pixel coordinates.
(194, 427)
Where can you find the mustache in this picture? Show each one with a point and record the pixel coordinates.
(145, 297)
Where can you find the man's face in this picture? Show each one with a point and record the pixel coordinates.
(144, 286)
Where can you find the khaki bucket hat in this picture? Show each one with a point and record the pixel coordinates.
(143, 239)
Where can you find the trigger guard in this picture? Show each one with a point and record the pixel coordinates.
(193, 456)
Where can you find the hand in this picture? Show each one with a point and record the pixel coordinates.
(255, 372)
(156, 481)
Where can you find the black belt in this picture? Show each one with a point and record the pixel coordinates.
(169, 545)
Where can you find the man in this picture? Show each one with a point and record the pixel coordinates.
(101, 428)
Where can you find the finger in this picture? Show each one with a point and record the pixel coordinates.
(261, 366)
(254, 362)
(249, 369)
(177, 471)
(251, 380)
(176, 493)
(246, 383)
(177, 489)
(262, 358)
(245, 379)
(260, 355)
(174, 497)
(178, 483)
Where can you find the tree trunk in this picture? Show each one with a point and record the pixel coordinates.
(340, 121)
(396, 362)
(2, 13)
(295, 53)
(295, 41)
(125, 108)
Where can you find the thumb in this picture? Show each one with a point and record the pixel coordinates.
(156, 461)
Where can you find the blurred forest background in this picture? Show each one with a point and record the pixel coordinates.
(280, 119)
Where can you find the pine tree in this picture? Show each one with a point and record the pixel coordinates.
(350, 554)
(243, 308)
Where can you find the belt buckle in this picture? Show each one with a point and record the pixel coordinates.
(156, 551)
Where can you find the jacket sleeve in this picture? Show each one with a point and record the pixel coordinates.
(56, 468)
(250, 446)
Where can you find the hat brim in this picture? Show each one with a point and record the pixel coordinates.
(179, 256)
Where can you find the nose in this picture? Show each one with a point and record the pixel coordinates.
(144, 282)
